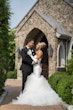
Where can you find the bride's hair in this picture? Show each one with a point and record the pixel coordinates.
(41, 45)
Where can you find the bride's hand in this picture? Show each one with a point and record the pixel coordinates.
(34, 63)
(32, 57)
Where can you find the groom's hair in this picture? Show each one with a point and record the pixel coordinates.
(29, 40)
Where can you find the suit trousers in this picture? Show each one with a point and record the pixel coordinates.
(24, 78)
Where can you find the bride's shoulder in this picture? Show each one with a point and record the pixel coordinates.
(39, 53)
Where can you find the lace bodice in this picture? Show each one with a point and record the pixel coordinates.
(37, 68)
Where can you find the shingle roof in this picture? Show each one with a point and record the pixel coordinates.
(57, 26)
(70, 2)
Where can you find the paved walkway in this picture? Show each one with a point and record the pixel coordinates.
(14, 87)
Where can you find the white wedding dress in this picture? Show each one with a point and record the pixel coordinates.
(37, 91)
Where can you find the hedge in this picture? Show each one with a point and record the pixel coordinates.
(65, 89)
(62, 83)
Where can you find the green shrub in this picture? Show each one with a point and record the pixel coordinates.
(12, 74)
(62, 83)
(69, 65)
(72, 101)
(15, 73)
(64, 89)
(55, 78)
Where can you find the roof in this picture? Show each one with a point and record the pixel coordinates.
(70, 2)
(52, 22)
(57, 26)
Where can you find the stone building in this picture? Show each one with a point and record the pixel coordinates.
(50, 21)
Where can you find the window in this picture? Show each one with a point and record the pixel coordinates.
(61, 55)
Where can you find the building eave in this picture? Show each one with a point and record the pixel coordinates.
(62, 36)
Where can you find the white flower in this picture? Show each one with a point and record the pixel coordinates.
(29, 52)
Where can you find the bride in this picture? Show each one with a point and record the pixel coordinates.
(38, 91)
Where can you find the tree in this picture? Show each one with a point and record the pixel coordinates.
(11, 51)
(4, 39)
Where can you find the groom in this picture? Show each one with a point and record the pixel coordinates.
(27, 62)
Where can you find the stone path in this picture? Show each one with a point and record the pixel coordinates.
(14, 87)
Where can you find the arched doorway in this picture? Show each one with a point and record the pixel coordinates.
(39, 36)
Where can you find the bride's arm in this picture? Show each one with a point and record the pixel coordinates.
(32, 57)
(36, 57)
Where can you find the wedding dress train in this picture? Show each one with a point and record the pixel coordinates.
(37, 91)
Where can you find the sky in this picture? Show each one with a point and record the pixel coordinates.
(19, 8)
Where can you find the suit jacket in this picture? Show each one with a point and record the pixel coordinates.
(26, 65)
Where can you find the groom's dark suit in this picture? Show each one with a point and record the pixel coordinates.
(26, 67)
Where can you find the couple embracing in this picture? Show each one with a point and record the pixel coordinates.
(36, 90)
